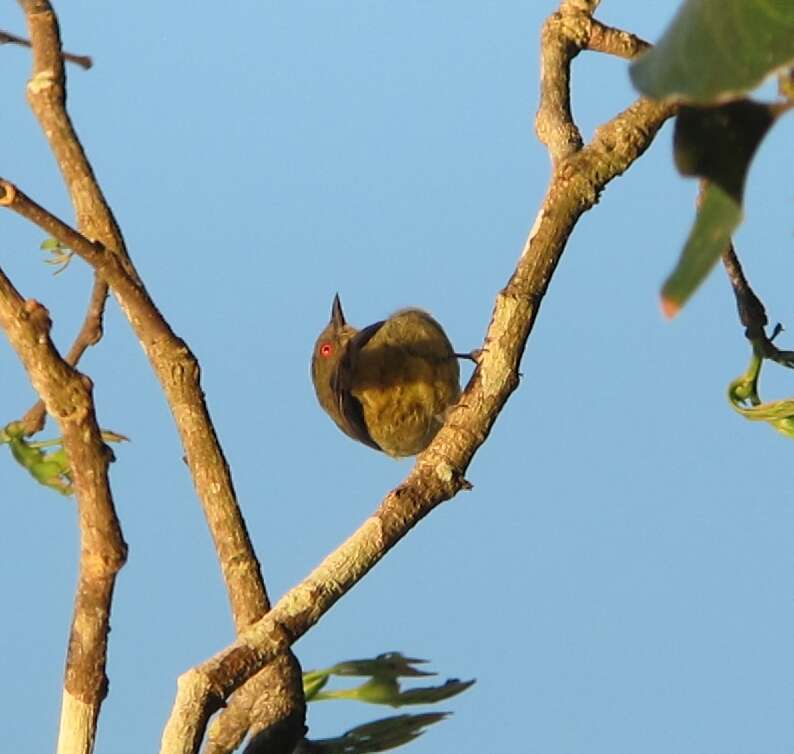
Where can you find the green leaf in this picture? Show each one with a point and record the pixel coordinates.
(718, 144)
(47, 467)
(376, 690)
(716, 50)
(387, 665)
(743, 395)
(716, 220)
(50, 244)
(432, 694)
(379, 735)
(60, 255)
(45, 460)
(379, 690)
(313, 682)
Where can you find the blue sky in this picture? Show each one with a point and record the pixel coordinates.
(619, 579)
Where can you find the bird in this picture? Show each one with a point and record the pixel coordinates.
(389, 385)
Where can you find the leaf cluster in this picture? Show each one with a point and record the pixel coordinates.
(713, 53)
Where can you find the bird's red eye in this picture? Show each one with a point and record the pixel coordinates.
(326, 349)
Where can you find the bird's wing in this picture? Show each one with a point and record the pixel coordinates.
(341, 384)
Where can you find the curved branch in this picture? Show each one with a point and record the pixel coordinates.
(565, 34)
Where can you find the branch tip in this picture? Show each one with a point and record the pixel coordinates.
(8, 193)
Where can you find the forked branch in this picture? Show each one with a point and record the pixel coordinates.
(173, 363)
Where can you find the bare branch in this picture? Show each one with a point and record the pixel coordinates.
(554, 121)
(178, 371)
(46, 95)
(46, 91)
(67, 396)
(565, 34)
(175, 366)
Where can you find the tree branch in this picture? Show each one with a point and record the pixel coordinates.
(565, 34)
(178, 371)
(67, 396)
(46, 93)
(607, 39)
(175, 366)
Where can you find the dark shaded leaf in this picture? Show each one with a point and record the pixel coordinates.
(387, 665)
(718, 143)
(379, 735)
(431, 694)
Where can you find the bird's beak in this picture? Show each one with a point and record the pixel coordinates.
(337, 317)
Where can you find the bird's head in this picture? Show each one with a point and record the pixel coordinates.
(328, 350)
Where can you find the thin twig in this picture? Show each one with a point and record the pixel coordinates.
(751, 310)
(612, 41)
(752, 313)
(84, 61)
